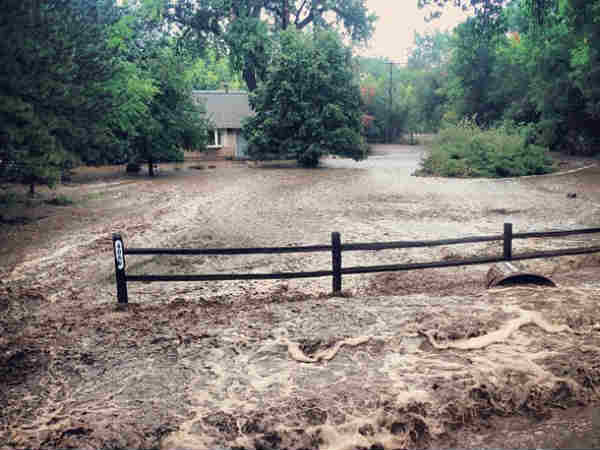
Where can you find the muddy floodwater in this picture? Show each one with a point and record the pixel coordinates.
(416, 359)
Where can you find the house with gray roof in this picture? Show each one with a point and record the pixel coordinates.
(226, 110)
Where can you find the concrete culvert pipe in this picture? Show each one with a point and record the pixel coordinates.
(513, 273)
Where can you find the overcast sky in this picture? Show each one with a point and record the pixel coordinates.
(398, 20)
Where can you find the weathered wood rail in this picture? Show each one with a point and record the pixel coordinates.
(336, 248)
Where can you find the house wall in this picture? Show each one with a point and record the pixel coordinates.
(227, 150)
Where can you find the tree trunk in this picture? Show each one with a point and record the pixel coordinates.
(285, 15)
(35, 12)
(249, 70)
(249, 75)
(150, 167)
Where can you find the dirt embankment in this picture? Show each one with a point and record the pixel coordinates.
(406, 360)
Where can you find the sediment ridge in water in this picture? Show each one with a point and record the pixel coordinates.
(328, 373)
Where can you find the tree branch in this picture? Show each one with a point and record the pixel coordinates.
(310, 17)
(298, 13)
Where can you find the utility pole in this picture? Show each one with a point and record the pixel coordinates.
(389, 128)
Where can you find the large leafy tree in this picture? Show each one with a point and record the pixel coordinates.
(309, 104)
(583, 18)
(247, 27)
(537, 9)
(429, 63)
(158, 117)
(174, 122)
(472, 69)
(431, 50)
(544, 72)
(212, 71)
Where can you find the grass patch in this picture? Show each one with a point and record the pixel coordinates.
(96, 195)
(60, 200)
(466, 150)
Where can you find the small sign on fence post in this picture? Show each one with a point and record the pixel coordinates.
(336, 261)
(508, 236)
(119, 252)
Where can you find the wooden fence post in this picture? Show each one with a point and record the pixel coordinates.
(119, 252)
(336, 261)
(508, 232)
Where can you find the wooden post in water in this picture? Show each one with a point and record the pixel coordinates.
(336, 261)
(119, 252)
(508, 232)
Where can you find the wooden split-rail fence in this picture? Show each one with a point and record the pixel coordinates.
(337, 248)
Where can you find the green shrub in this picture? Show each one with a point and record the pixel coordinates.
(60, 200)
(466, 150)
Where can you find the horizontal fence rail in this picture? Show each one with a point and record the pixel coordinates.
(227, 251)
(416, 244)
(231, 277)
(337, 248)
(467, 262)
(555, 233)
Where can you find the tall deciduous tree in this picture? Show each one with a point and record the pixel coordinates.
(431, 50)
(212, 71)
(585, 57)
(309, 105)
(247, 26)
(472, 67)
(158, 117)
(538, 9)
(174, 121)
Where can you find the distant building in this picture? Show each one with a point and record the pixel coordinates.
(226, 111)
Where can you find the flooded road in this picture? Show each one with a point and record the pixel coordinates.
(404, 159)
(401, 360)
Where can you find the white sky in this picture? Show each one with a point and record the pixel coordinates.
(398, 20)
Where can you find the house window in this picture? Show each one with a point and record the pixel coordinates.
(215, 138)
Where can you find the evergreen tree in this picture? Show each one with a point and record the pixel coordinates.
(54, 67)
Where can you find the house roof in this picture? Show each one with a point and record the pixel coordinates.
(225, 109)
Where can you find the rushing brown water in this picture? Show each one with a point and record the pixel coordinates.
(282, 364)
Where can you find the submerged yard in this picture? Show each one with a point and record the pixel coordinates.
(400, 360)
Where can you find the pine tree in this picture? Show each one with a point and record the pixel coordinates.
(54, 68)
